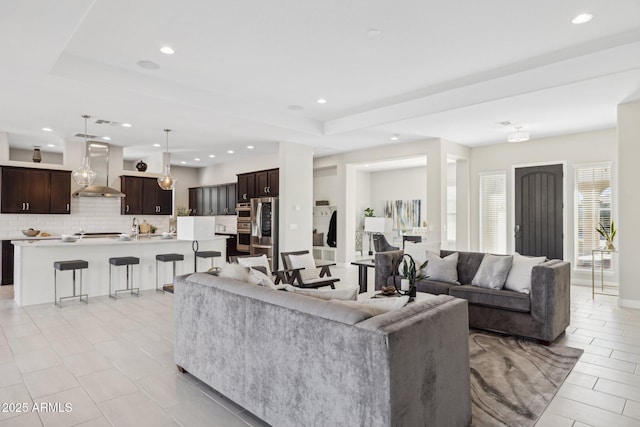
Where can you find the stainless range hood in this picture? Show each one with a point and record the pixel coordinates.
(98, 153)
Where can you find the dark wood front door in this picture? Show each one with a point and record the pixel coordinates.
(539, 211)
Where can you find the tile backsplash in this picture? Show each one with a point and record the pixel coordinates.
(94, 214)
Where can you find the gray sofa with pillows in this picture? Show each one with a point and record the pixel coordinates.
(539, 310)
(296, 360)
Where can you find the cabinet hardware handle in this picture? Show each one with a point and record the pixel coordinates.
(28, 207)
(127, 208)
(67, 207)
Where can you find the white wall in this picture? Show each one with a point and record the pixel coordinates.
(596, 146)
(399, 184)
(226, 172)
(27, 156)
(187, 177)
(296, 199)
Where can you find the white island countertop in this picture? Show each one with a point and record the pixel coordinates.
(33, 272)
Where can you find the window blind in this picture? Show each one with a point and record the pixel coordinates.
(493, 212)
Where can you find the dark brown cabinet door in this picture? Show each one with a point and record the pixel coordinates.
(164, 200)
(262, 184)
(223, 208)
(13, 191)
(60, 192)
(195, 200)
(38, 190)
(149, 196)
(246, 187)
(132, 188)
(231, 199)
(273, 188)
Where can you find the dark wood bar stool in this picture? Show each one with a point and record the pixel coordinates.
(73, 265)
(167, 258)
(128, 261)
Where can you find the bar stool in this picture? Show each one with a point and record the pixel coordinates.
(74, 265)
(128, 261)
(206, 254)
(166, 258)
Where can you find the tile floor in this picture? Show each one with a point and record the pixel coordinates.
(113, 362)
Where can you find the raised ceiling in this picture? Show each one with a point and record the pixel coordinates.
(447, 69)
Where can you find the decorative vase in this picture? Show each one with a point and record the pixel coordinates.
(37, 156)
(610, 246)
(141, 166)
(405, 284)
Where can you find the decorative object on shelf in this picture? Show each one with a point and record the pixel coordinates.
(37, 155)
(318, 238)
(374, 225)
(322, 203)
(167, 181)
(409, 273)
(31, 232)
(196, 228)
(608, 234)
(368, 213)
(183, 211)
(84, 176)
(141, 166)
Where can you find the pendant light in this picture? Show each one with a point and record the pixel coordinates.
(84, 176)
(166, 181)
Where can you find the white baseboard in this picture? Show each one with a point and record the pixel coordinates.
(629, 303)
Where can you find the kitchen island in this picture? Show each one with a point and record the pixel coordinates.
(33, 265)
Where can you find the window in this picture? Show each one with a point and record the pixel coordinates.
(451, 204)
(593, 194)
(493, 212)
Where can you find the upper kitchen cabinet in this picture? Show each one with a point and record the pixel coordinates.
(246, 187)
(267, 183)
(213, 200)
(143, 196)
(35, 191)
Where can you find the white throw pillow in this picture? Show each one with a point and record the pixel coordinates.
(234, 271)
(519, 278)
(343, 293)
(257, 277)
(256, 261)
(376, 306)
(493, 271)
(306, 262)
(443, 269)
(418, 252)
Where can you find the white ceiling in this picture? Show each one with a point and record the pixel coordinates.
(448, 69)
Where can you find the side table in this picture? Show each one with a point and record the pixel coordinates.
(362, 273)
(605, 254)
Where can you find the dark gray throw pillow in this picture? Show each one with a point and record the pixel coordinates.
(493, 271)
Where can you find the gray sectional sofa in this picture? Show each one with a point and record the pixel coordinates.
(294, 360)
(543, 314)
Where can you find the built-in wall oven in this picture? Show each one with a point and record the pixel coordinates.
(243, 211)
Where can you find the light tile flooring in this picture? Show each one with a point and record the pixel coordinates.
(113, 362)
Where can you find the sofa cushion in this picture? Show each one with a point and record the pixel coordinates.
(256, 261)
(519, 278)
(234, 271)
(493, 271)
(341, 293)
(434, 287)
(418, 251)
(309, 271)
(442, 269)
(376, 306)
(506, 300)
(468, 263)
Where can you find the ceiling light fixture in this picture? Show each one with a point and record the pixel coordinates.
(126, 125)
(394, 137)
(166, 181)
(230, 151)
(51, 145)
(167, 50)
(250, 147)
(212, 155)
(183, 162)
(518, 135)
(373, 32)
(106, 138)
(583, 18)
(321, 101)
(196, 159)
(84, 176)
(47, 129)
(157, 145)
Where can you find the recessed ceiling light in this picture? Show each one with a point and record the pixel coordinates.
(321, 101)
(583, 18)
(51, 145)
(106, 138)
(157, 145)
(230, 151)
(373, 32)
(126, 125)
(212, 155)
(167, 50)
(394, 137)
(183, 163)
(147, 65)
(47, 129)
(250, 147)
(196, 159)
(295, 107)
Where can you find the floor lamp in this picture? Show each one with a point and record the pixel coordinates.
(196, 228)
(373, 225)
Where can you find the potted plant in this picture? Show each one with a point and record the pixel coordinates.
(407, 266)
(368, 213)
(608, 234)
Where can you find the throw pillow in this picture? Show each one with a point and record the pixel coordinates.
(234, 271)
(257, 277)
(519, 278)
(442, 269)
(376, 306)
(493, 271)
(418, 252)
(256, 261)
(307, 263)
(342, 293)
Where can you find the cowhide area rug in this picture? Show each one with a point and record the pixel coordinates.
(514, 379)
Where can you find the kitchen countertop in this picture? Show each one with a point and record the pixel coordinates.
(96, 241)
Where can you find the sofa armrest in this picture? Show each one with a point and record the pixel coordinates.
(550, 295)
(384, 262)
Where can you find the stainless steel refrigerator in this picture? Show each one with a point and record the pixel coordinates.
(264, 229)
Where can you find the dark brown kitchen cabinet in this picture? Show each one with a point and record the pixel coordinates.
(246, 188)
(143, 196)
(35, 191)
(195, 200)
(267, 183)
(213, 200)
